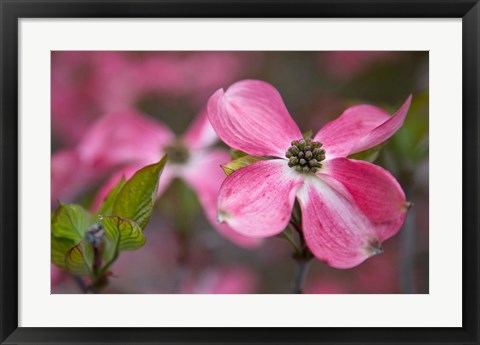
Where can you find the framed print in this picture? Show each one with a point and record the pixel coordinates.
(239, 172)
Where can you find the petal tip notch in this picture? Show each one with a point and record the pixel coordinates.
(222, 216)
(374, 248)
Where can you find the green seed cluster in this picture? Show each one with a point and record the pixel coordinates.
(177, 152)
(305, 155)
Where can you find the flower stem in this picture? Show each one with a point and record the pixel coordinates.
(99, 275)
(302, 256)
(286, 235)
(97, 261)
(407, 245)
(81, 284)
(300, 274)
(295, 226)
(86, 289)
(183, 257)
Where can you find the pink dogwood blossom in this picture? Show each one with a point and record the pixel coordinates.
(349, 207)
(89, 84)
(129, 140)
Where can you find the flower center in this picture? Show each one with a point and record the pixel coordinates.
(305, 155)
(177, 152)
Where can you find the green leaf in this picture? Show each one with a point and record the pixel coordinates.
(108, 202)
(369, 155)
(241, 162)
(79, 259)
(70, 221)
(136, 198)
(122, 233)
(235, 154)
(112, 241)
(60, 248)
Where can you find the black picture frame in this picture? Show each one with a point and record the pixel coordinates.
(11, 11)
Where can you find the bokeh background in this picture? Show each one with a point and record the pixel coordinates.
(183, 253)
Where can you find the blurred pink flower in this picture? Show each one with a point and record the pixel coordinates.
(88, 84)
(194, 75)
(325, 286)
(228, 280)
(74, 102)
(69, 175)
(56, 276)
(155, 269)
(151, 269)
(348, 207)
(349, 64)
(132, 140)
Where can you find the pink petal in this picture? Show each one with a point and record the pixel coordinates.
(360, 128)
(335, 229)
(205, 176)
(251, 116)
(200, 134)
(385, 130)
(122, 138)
(375, 190)
(127, 172)
(257, 200)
